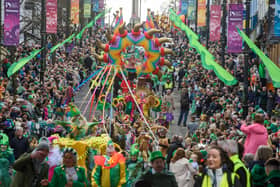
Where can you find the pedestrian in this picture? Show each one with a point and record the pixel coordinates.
(19, 143)
(231, 147)
(31, 168)
(256, 134)
(258, 174)
(272, 169)
(182, 169)
(184, 107)
(157, 176)
(219, 172)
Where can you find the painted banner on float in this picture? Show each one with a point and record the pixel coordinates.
(277, 18)
(51, 16)
(87, 8)
(201, 13)
(11, 22)
(75, 11)
(235, 20)
(215, 22)
(191, 10)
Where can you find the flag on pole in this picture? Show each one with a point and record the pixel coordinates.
(118, 22)
(149, 24)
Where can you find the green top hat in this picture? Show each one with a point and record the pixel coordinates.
(155, 155)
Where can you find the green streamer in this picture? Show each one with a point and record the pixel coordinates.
(67, 40)
(272, 68)
(90, 24)
(19, 64)
(207, 59)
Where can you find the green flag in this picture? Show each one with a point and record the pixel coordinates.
(67, 40)
(90, 24)
(261, 71)
(207, 59)
(272, 68)
(19, 64)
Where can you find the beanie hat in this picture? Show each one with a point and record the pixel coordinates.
(44, 144)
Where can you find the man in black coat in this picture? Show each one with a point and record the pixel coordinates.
(19, 143)
(175, 144)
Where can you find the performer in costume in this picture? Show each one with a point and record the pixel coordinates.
(69, 174)
(6, 151)
(54, 157)
(109, 169)
(135, 166)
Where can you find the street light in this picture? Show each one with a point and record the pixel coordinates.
(207, 24)
(247, 59)
(223, 35)
(43, 40)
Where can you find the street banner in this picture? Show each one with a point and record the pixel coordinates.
(95, 5)
(11, 22)
(100, 21)
(277, 18)
(51, 16)
(184, 7)
(215, 22)
(235, 20)
(191, 10)
(75, 11)
(201, 13)
(87, 8)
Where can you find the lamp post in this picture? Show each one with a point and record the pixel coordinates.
(68, 9)
(223, 40)
(246, 63)
(207, 23)
(43, 40)
(196, 11)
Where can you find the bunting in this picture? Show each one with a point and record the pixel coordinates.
(207, 59)
(273, 69)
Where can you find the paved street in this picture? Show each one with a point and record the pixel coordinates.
(174, 129)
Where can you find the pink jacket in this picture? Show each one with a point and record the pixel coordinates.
(256, 136)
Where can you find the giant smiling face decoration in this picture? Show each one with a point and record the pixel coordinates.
(119, 42)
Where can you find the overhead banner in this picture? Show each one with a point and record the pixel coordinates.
(235, 19)
(201, 13)
(183, 7)
(277, 18)
(75, 11)
(11, 22)
(95, 5)
(100, 21)
(51, 16)
(215, 22)
(191, 10)
(87, 8)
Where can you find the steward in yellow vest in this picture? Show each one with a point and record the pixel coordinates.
(209, 179)
(241, 170)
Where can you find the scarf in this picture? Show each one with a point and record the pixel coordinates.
(216, 176)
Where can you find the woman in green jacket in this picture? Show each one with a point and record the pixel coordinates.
(69, 174)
